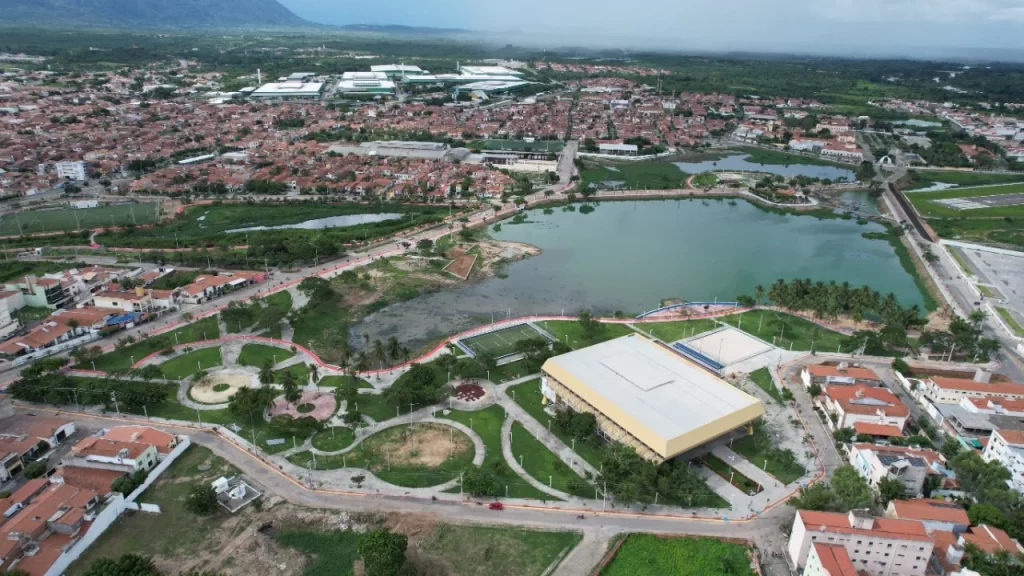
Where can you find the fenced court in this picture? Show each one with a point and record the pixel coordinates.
(65, 219)
(500, 342)
(727, 346)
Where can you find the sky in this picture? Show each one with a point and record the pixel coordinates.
(848, 27)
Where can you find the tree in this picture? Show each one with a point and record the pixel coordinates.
(35, 469)
(816, 497)
(394, 350)
(126, 565)
(814, 390)
(314, 373)
(891, 489)
(383, 552)
(591, 327)
(201, 499)
(480, 483)
(486, 361)
(845, 435)
(987, 514)
(851, 491)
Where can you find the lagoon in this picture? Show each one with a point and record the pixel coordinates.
(331, 222)
(740, 162)
(630, 255)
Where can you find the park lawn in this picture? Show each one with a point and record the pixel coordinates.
(461, 549)
(1007, 317)
(334, 438)
(651, 555)
(540, 462)
(281, 298)
(653, 175)
(672, 331)
(723, 469)
(487, 424)
(300, 371)
(311, 323)
(570, 332)
(763, 378)
(42, 221)
(999, 231)
(787, 330)
(188, 364)
(528, 396)
(340, 381)
(121, 360)
(510, 371)
(255, 354)
(927, 205)
(376, 407)
(372, 454)
(174, 532)
(780, 471)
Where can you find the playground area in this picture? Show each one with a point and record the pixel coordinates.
(500, 342)
(727, 345)
(217, 388)
(319, 405)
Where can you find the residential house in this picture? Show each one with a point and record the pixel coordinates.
(41, 292)
(842, 374)
(209, 286)
(908, 465)
(96, 452)
(35, 536)
(163, 442)
(846, 405)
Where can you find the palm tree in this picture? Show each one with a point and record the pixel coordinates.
(380, 353)
(758, 293)
(405, 354)
(346, 349)
(314, 373)
(362, 363)
(366, 340)
(267, 372)
(291, 387)
(394, 350)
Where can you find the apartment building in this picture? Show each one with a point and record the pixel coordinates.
(1007, 448)
(934, 514)
(829, 560)
(877, 546)
(96, 452)
(952, 390)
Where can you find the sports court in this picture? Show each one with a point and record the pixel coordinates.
(727, 345)
(500, 342)
(978, 202)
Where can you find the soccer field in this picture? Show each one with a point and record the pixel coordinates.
(64, 219)
(501, 342)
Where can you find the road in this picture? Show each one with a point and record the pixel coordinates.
(765, 531)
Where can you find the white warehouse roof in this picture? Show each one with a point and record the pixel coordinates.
(489, 71)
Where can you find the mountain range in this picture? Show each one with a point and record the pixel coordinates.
(149, 13)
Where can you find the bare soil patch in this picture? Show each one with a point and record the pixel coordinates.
(217, 388)
(432, 445)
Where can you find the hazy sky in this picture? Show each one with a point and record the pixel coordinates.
(830, 26)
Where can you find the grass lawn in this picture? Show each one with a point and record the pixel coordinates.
(38, 221)
(376, 407)
(925, 178)
(653, 175)
(120, 360)
(672, 331)
(723, 469)
(461, 550)
(282, 298)
(763, 378)
(173, 532)
(501, 342)
(339, 381)
(650, 555)
(540, 463)
(311, 324)
(300, 371)
(372, 454)
(510, 371)
(705, 179)
(571, 333)
(529, 397)
(782, 471)
(188, 364)
(786, 330)
(928, 206)
(255, 354)
(333, 439)
(487, 423)
(1011, 321)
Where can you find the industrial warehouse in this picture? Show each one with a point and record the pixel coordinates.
(646, 396)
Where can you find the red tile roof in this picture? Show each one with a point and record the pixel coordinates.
(991, 539)
(850, 398)
(973, 386)
(934, 510)
(876, 429)
(882, 527)
(835, 560)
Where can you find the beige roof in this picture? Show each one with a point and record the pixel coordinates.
(666, 401)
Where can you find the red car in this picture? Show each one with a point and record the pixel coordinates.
(496, 506)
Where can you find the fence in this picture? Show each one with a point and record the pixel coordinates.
(115, 506)
(74, 343)
(682, 305)
(698, 357)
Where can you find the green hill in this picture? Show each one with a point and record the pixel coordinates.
(149, 13)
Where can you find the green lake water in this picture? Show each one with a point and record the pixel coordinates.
(630, 255)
